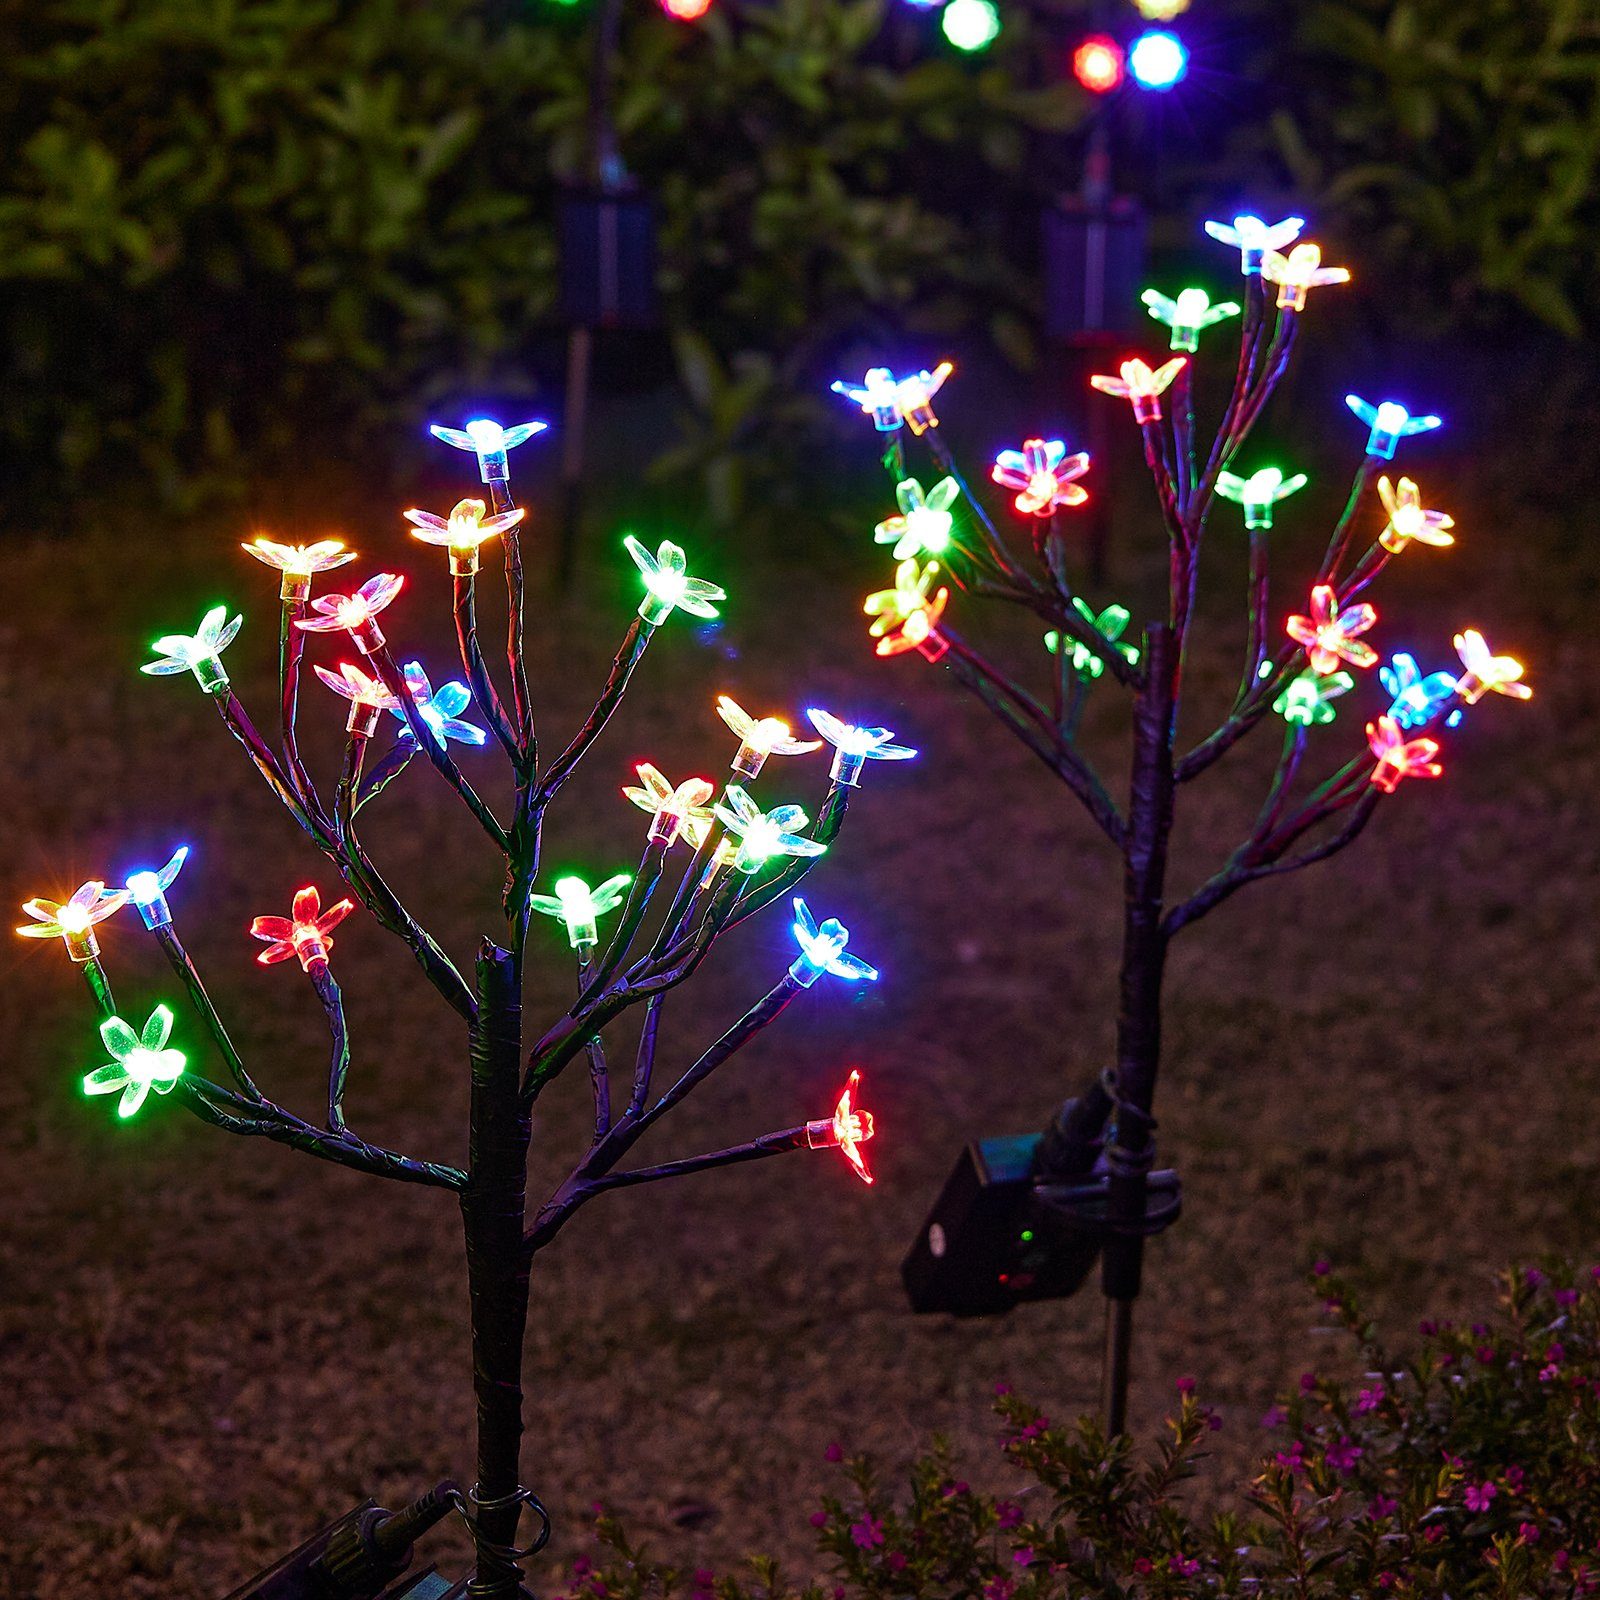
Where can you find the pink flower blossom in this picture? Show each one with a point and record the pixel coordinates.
(867, 1533)
(834, 1452)
(1022, 1555)
(1342, 1457)
(1515, 1478)
(1010, 1513)
(1528, 1532)
(1002, 1387)
(1486, 1355)
(1371, 1399)
(1143, 1565)
(896, 1561)
(1274, 1417)
(1478, 1495)
(1386, 1580)
(1184, 1566)
(1308, 1382)
(1293, 1459)
(1185, 1385)
(1566, 1297)
(1321, 1267)
(819, 1519)
(1533, 1277)
(1433, 1534)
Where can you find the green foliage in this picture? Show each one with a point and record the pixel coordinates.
(1470, 1468)
(230, 223)
(1459, 143)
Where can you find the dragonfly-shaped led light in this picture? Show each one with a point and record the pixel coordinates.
(924, 522)
(906, 617)
(1299, 272)
(1399, 757)
(489, 442)
(1189, 315)
(760, 737)
(1259, 493)
(198, 652)
(1415, 698)
(822, 950)
(1486, 672)
(673, 810)
(1389, 422)
(1110, 624)
(441, 708)
(1329, 634)
(148, 889)
(763, 834)
(73, 921)
(366, 695)
(1137, 382)
(1253, 238)
(355, 614)
(853, 747)
(307, 934)
(846, 1130)
(1409, 519)
(667, 584)
(1307, 699)
(463, 532)
(579, 908)
(1042, 474)
(140, 1062)
(299, 563)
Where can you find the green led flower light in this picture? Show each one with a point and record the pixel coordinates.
(925, 522)
(763, 834)
(1110, 624)
(1189, 315)
(668, 585)
(141, 1061)
(197, 652)
(1259, 493)
(1307, 700)
(579, 908)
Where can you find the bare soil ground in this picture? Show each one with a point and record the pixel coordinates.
(207, 1347)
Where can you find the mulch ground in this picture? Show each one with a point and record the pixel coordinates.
(207, 1347)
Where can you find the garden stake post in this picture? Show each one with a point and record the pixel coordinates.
(737, 857)
(1024, 1218)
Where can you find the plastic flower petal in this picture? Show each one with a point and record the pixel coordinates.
(1189, 315)
(1408, 519)
(681, 809)
(1307, 699)
(489, 442)
(822, 949)
(356, 614)
(441, 708)
(1259, 493)
(846, 1130)
(148, 890)
(924, 523)
(1253, 238)
(1299, 272)
(73, 920)
(1110, 624)
(1486, 672)
(1389, 422)
(462, 532)
(198, 652)
(1042, 474)
(1416, 699)
(763, 834)
(760, 737)
(140, 1061)
(305, 934)
(891, 401)
(667, 583)
(907, 616)
(579, 908)
(1399, 757)
(366, 695)
(1135, 381)
(1329, 634)
(853, 746)
(299, 563)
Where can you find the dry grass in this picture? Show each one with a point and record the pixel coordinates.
(207, 1347)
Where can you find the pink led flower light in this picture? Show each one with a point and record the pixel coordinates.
(1042, 474)
(1398, 756)
(1329, 634)
(306, 934)
(366, 695)
(356, 614)
(1136, 381)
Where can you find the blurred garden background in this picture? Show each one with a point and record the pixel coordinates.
(248, 248)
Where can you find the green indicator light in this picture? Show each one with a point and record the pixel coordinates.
(1027, 1235)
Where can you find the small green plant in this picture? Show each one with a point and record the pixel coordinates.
(1471, 1467)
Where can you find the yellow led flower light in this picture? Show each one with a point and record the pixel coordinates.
(1409, 520)
(366, 695)
(674, 810)
(1298, 272)
(1136, 381)
(760, 737)
(299, 563)
(463, 532)
(1487, 673)
(907, 616)
(73, 921)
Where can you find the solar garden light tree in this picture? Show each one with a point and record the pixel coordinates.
(732, 856)
(1089, 1176)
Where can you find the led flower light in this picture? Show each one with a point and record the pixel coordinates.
(141, 1061)
(1307, 699)
(760, 737)
(366, 695)
(891, 401)
(356, 614)
(1253, 238)
(489, 442)
(924, 523)
(673, 810)
(1160, 10)
(1487, 673)
(1158, 60)
(1399, 757)
(1409, 520)
(306, 934)
(971, 24)
(199, 652)
(1329, 634)
(667, 583)
(1390, 422)
(579, 908)
(1098, 63)
(1416, 699)
(1043, 474)
(1189, 315)
(148, 890)
(1110, 624)
(907, 616)
(441, 708)
(299, 563)
(822, 949)
(763, 834)
(73, 920)
(1136, 382)
(1259, 493)
(463, 531)
(1299, 272)
(846, 1130)
(853, 747)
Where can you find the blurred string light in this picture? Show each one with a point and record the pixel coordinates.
(1158, 59)
(971, 25)
(1097, 64)
(686, 10)
(1160, 10)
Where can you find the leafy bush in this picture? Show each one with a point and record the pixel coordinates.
(1470, 1468)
